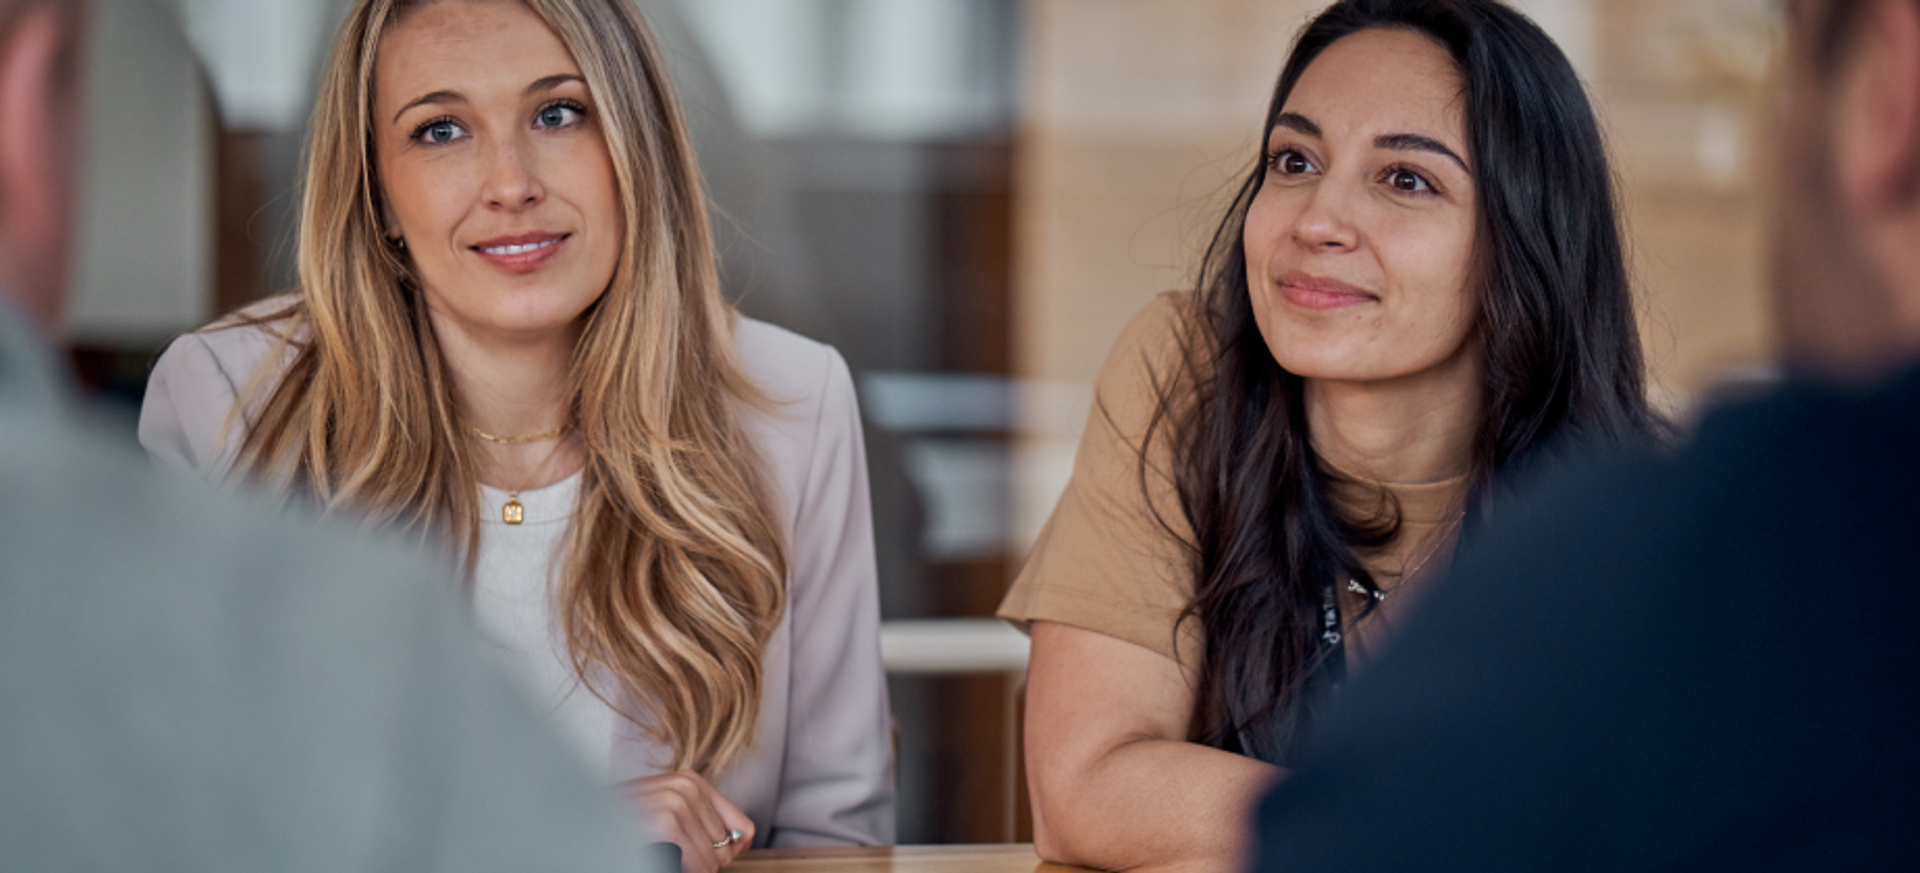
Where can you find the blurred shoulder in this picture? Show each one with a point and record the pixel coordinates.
(1788, 480)
(88, 487)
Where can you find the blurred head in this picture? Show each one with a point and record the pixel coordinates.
(39, 145)
(1433, 198)
(1847, 208)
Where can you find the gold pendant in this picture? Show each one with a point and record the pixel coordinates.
(513, 512)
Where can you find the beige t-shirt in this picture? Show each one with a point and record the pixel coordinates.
(1111, 558)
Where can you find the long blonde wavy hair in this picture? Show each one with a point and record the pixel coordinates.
(673, 577)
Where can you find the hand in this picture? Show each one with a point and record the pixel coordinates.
(682, 808)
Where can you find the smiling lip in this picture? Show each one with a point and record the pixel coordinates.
(520, 253)
(1317, 292)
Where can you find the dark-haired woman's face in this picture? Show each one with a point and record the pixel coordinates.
(1360, 242)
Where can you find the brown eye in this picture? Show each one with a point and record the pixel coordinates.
(1408, 181)
(1291, 163)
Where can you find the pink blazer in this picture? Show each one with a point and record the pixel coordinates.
(821, 769)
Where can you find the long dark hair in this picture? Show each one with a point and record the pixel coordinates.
(1561, 359)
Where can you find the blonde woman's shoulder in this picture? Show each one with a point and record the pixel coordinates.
(808, 407)
(789, 368)
(191, 393)
(246, 336)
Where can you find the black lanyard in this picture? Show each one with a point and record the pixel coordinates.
(1333, 645)
(1330, 673)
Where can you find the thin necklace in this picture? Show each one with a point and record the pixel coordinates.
(518, 440)
(513, 512)
(1439, 541)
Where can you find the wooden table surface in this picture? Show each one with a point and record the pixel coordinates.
(1001, 858)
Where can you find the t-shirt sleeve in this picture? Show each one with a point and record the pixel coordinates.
(1113, 558)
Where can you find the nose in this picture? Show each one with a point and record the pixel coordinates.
(1325, 222)
(512, 181)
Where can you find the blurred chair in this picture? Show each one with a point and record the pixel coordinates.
(972, 646)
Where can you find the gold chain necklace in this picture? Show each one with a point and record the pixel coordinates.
(513, 511)
(518, 440)
(1439, 541)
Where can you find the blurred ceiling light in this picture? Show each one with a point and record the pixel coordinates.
(883, 69)
(261, 55)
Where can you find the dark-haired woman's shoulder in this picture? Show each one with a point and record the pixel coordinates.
(184, 416)
(1111, 557)
(1148, 359)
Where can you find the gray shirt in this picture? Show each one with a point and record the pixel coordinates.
(190, 681)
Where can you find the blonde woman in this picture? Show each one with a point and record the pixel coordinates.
(509, 336)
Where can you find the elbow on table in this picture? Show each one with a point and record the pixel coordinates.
(1057, 835)
(1048, 844)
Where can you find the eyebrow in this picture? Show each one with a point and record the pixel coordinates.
(1413, 142)
(1297, 123)
(544, 83)
(1399, 142)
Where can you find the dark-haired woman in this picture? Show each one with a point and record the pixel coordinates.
(1420, 287)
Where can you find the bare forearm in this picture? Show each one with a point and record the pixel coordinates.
(1150, 804)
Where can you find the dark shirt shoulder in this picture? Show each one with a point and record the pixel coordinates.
(1695, 659)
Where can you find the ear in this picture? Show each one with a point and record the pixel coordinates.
(36, 159)
(389, 223)
(1877, 116)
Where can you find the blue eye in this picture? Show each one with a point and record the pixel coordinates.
(439, 132)
(559, 115)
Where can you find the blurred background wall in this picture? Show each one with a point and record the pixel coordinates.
(968, 198)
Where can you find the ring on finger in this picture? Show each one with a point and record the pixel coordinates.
(731, 838)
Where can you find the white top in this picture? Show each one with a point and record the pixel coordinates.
(513, 587)
(820, 769)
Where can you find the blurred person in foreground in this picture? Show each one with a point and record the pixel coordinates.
(1706, 660)
(189, 683)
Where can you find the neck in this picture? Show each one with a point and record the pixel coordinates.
(509, 389)
(1402, 431)
(514, 389)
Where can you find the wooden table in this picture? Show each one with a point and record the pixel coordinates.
(1002, 858)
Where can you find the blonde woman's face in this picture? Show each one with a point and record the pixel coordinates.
(1360, 243)
(495, 173)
